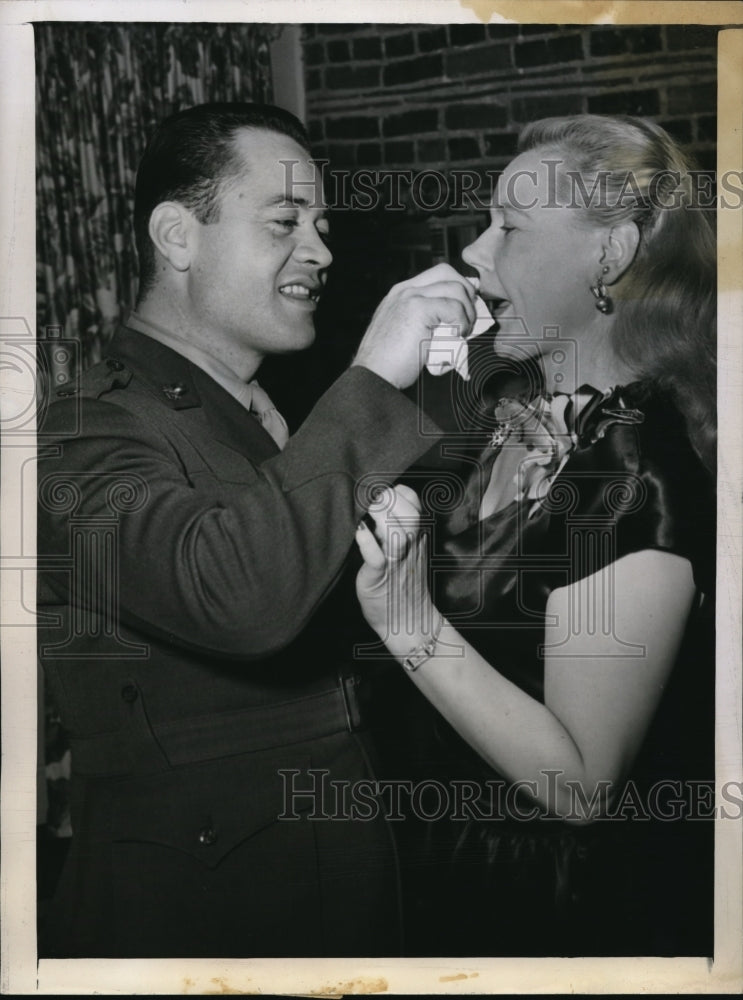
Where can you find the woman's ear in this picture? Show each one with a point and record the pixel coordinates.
(620, 248)
(170, 224)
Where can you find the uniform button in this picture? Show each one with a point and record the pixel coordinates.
(175, 391)
(115, 365)
(129, 693)
(207, 836)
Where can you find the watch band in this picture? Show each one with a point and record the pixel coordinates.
(418, 655)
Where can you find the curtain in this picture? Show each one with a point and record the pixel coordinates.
(101, 89)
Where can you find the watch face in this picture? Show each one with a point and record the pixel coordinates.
(419, 655)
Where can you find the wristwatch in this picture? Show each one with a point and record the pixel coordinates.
(418, 655)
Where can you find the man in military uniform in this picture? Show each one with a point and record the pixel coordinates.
(184, 543)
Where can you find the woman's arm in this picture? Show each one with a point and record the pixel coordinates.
(608, 656)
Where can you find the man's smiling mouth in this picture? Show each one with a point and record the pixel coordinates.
(302, 292)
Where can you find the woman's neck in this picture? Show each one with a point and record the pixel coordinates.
(586, 360)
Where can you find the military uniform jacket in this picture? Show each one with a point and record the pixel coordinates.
(181, 555)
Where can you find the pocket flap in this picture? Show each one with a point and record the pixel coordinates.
(206, 810)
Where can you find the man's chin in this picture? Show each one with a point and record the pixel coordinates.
(302, 337)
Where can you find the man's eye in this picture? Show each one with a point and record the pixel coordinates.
(286, 223)
(507, 229)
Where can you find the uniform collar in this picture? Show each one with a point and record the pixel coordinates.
(168, 373)
(182, 385)
(196, 354)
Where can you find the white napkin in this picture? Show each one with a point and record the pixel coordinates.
(448, 349)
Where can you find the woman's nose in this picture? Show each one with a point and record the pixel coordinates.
(476, 254)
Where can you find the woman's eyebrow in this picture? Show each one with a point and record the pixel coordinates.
(501, 207)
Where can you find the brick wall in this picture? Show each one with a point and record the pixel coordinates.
(421, 95)
(415, 97)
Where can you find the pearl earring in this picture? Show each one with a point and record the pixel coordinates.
(604, 302)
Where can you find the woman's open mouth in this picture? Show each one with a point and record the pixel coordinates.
(496, 306)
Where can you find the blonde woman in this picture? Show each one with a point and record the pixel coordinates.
(560, 635)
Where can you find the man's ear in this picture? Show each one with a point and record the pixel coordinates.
(619, 250)
(169, 228)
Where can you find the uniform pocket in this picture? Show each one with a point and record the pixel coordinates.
(203, 866)
(204, 810)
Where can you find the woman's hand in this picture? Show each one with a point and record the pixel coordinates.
(392, 585)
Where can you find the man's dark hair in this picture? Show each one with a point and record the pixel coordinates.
(188, 159)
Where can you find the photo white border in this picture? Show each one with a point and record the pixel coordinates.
(19, 972)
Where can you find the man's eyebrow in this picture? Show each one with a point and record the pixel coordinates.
(294, 201)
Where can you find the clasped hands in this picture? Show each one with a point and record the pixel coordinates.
(392, 584)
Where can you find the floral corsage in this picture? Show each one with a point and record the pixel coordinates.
(535, 441)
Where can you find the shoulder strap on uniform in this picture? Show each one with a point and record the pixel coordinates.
(98, 380)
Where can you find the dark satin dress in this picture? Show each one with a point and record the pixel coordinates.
(496, 883)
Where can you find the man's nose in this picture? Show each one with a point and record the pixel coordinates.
(312, 249)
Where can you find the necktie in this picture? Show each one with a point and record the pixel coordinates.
(261, 406)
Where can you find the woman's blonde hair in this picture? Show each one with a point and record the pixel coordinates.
(629, 169)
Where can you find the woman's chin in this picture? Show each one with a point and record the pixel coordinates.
(520, 348)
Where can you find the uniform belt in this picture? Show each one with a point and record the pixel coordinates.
(208, 737)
